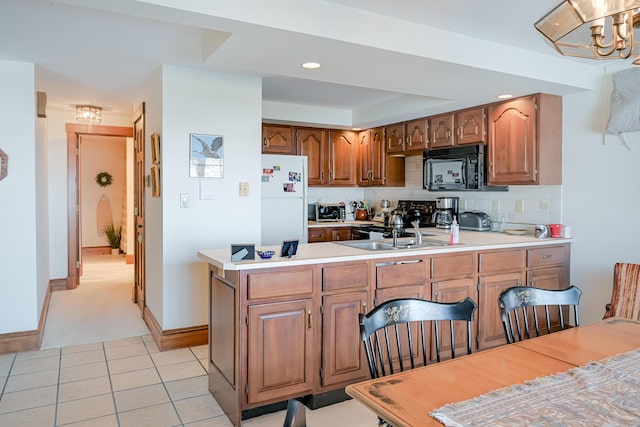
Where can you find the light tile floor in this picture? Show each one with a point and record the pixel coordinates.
(121, 382)
(128, 382)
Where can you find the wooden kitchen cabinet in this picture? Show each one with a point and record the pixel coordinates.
(498, 271)
(312, 142)
(371, 157)
(340, 234)
(471, 126)
(317, 234)
(525, 141)
(441, 131)
(394, 138)
(417, 135)
(280, 359)
(343, 150)
(278, 139)
(454, 290)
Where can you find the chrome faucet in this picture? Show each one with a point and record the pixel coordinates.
(416, 226)
(394, 234)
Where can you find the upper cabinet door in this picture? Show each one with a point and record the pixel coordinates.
(364, 158)
(417, 135)
(471, 127)
(312, 142)
(278, 139)
(394, 138)
(343, 150)
(512, 144)
(378, 164)
(441, 131)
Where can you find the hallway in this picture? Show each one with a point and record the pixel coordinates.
(99, 309)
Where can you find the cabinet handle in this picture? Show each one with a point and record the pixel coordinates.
(321, 174)
(364, 307)
(309, 319)
(390, 263)
(546, 256)
(264, 142)
(459, 131)
(491, 168)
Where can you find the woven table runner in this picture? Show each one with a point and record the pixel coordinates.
(602, 393)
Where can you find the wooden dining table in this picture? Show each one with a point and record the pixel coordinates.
(405, 399)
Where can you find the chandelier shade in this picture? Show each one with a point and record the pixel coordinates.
(594, 29)
(88, 113)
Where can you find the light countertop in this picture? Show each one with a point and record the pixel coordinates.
(314, 253)
(354, 223)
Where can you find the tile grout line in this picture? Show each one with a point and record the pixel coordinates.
(55, 411)
(4, 387)
(173, 405)
(113, 395)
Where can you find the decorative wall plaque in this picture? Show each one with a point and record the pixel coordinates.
(4, 163)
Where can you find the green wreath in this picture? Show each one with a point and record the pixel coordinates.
(103, 179)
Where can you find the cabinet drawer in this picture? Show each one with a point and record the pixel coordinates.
(498, 262)
(345, 276)
(549, 255)
(453, 265)
(279, 284)
(402, 272)
(317, 235)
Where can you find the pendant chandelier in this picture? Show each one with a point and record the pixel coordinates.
(594, 29)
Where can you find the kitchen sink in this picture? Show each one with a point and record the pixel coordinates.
(380, 245)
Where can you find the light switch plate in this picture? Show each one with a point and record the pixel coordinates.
(184, 200)
(244, 188)
(519, 206)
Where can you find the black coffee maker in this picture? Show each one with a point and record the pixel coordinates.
(446, 210)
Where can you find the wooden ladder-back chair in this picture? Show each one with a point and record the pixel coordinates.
(625, 299)
(518, 306)
(390, 347)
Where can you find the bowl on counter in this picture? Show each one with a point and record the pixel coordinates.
(266, 254)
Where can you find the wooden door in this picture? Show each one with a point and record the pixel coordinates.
(490, 329)
(471, 127)
(394, 138)
(417, 135)
(512, 143)
(278, 139)
(340, 234)
(378, 164)
(343, 150)
(343, 357)
(364, 158)
(138, 209)
(313, 144)
(454, 291)
(280, 357)
(441, 131)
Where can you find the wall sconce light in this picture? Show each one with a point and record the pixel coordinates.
(88, 113)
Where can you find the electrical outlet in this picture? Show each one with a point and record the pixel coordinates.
(184, 200)
(544, 205)
(519, 206)
(244, 188)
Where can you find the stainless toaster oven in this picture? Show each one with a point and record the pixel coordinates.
(330, 212)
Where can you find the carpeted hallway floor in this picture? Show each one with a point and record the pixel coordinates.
(99, 309)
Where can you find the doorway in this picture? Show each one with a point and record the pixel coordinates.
(74, 134)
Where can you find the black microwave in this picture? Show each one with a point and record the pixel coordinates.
(457, 169)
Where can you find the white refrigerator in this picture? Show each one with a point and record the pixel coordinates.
(284, 199)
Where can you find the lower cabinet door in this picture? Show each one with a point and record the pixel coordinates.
(343, 358)
(280, 339)
(490, 329)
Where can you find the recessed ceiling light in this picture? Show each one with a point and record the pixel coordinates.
(505, 96)
(310, 65)
(356, 129)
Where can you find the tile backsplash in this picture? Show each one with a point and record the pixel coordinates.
(522, 204)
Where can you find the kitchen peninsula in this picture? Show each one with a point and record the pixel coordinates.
(288, 327)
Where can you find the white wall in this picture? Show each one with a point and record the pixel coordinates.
(19, 257)
(196, 101)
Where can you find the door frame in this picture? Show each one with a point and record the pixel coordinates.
(74, 132)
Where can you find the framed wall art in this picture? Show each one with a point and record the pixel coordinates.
(155, 181)
(206, 159)
(4, 165)
(155, 148)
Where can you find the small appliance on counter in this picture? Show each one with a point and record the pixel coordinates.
(335, 212)
(475, 221)
(446, 210)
